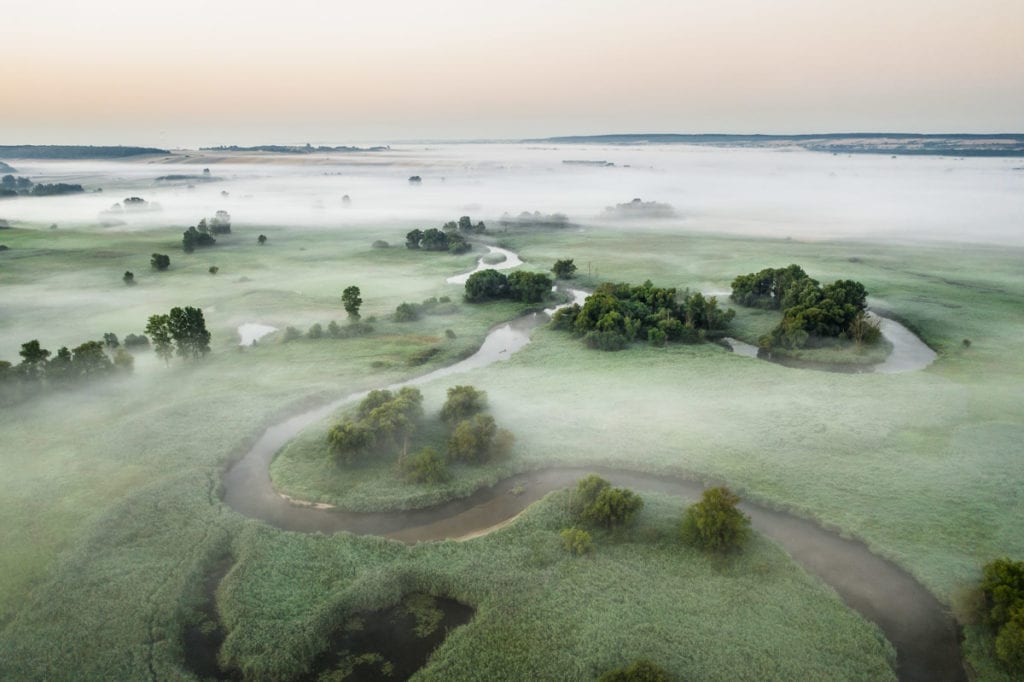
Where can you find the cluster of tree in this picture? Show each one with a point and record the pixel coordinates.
(182, 331)
(715, 523)
(564, 269)
(333, 330)
(409, 312)
(133, 205)
(596, 502)
(158, 261)
(811, 313)
(617, 314)
(11, 186)
(383, 420)
(290, 149)
(201, 235)
(415, 179)
(637, 208)
(474, 438)
(1002, 588)
(535, 219)
(39, 368)
(452, 237)
(490, 285)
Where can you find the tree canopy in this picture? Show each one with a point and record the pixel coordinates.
(183, 329)
(1002, 584)
(715, 524)
(383, 419)
(489, 285)
(564, 269)
(595, 501)
(810, 312)
(463, 402)
(351, 300)
(618, 314)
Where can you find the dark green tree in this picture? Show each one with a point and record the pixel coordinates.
(261, 240)
(715, 523)
(478, 440)
(129, 277)
(33, 360)
(613, 507)
(89, 360)
(160, 261)
(188, 329)
(485, 285)
(528, 287)
(463, 402)
(425, 466)
(413, 238)
(159, 330)
(351, 300)
(110, 340)
(1002, 585)
(564, 269)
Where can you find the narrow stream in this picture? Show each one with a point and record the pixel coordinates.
(923, 633)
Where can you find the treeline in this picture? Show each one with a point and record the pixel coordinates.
(41, 370)
(58, 151)
(535, 219)
(811, 313)
(11, 186)
(452, 237)
(491, 285)
(616, 315)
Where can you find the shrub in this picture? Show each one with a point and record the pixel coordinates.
(576, 541)
(714, 523)
(380, 244)
(316, 331)
(422, 357)
(291, 334)
(486, 285)
(613, 507)
(160, 261)
(425, 466)
(449, 334)
(640, 670)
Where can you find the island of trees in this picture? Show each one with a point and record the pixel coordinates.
(616, 315)
(11, 186)
(452, 237)
(812, 314)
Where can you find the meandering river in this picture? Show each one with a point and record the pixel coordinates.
(922, 631)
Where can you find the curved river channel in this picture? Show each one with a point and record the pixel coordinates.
(924, 634)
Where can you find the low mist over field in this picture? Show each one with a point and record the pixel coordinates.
(755, 192)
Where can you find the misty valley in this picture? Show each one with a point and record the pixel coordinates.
(565, 409)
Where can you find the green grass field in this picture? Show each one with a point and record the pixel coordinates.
(110, 493)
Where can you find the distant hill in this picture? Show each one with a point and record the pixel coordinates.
(1001, 144)
(4, 168)
(59, 151)
(289, 149)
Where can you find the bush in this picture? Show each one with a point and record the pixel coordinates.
(291, 334)
(160, 261)
(486, 285)
(576, 541)
(406, 312)
(449, 334)
(714, 523)
(613, 507)
(316, 331)
(425, 466)
(605, 340)
(422, 357)
(640, 670)
(380, 244)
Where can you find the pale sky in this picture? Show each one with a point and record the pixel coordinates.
(193, 72)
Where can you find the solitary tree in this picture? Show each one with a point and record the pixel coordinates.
(261, 240)
(564, 269)
(351, 300)
(160, 261)
(715, 523)
(188, 328)
(129, 277)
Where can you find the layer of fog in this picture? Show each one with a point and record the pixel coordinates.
(776, 193)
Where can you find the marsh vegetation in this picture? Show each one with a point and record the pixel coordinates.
(115, 522)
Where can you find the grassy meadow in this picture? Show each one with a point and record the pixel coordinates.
(111, 508)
